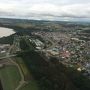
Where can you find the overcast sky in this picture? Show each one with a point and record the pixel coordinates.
(46, 9)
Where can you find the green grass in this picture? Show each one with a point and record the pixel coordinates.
(32, 85)
(24, 68)
(10, 77)
(2, 55)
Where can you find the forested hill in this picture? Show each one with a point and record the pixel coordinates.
(53, 75)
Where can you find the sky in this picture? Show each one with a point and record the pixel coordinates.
(46, 9)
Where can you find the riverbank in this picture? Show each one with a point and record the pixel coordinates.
(6, 32)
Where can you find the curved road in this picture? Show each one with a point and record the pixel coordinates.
(22, 82)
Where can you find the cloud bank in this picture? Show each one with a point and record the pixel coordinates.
(45, 9)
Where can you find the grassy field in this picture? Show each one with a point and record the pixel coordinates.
(10, 77)
(2, 54)
(32, 84)
(26, 72)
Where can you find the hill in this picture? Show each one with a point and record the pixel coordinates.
(53, 75)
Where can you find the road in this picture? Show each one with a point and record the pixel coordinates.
(53, 44)
(5, 62)
(8, 56)
(22, 82)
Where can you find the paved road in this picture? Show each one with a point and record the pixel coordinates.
(5, 62)
(9, 56)
(22, 82)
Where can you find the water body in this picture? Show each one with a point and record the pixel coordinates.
(6, 32)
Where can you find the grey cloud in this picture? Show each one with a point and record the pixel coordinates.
(45, 9)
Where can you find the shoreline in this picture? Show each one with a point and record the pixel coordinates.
(4, 32)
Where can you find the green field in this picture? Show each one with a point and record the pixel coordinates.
(2, 55)
(32, 85)
(25, 71)
(10, 77)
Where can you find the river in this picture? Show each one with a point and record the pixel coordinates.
(6, 32)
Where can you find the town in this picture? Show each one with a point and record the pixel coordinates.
(70, 50)
(26, 49)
